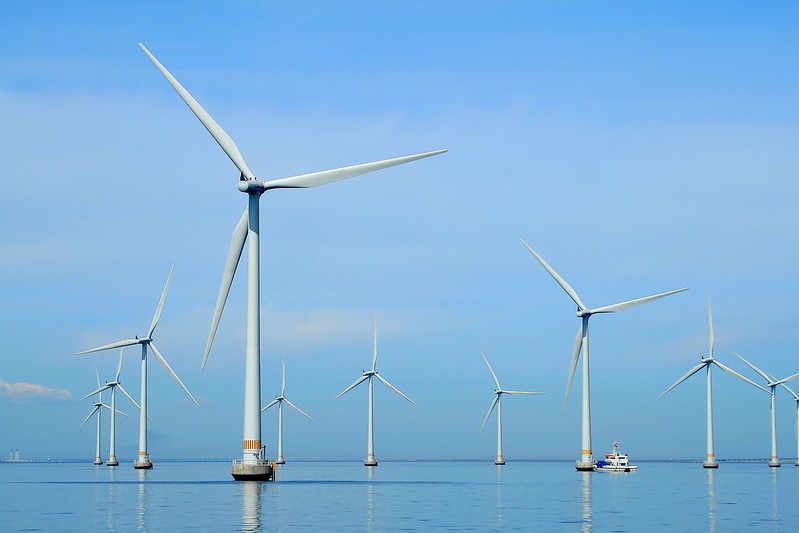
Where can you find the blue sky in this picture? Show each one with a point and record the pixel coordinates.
(638, 146)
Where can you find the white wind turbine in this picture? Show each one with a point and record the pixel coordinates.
(586, 461)
(772, 386)
(279, 402)
(113, 385)
(795, 399)
(253, 464)
(707, 363)
(498, 404)
(143, 461)
(367, 376)
(97, 410)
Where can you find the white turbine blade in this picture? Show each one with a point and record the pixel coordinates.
(171, 372)
(160, 307)
(128, 396)
(357, 382)
(521, 392)
(687, 375)
(578, 345)
(106, 406)
(97, 391)
(329, 176)
(753, 367)
(91, 413)
(786, 387)
(298, 409)
(710, 323)
(123, 413)
(786, 380)
(739, 376)
(490, 410)
(97, 374)
(395, 389)
(374, 348)
(231, 263)
(270, 404)
(119, 364)
(632, 303)
(210, 124)
(118, 344)
(493, 375)
(283, 389)
(562, 282)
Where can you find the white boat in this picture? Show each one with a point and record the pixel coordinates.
(615, 462)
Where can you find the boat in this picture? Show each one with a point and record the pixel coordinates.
(615, 462)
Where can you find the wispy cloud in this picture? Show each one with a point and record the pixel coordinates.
(29, 391)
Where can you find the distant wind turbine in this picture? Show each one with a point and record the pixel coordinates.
(795, 399)
(279, 402)
(97, 410)
(367, 376)
(253, 464)
(498, 404)
(586, 461)
(707, 363)
(143, 461)
(772, 384)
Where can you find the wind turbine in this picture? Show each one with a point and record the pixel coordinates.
(367, 376)
(707, 363)
(498, 404)
(113, 385)
(772, 383)
(586, 461)
(143, 461)
(795, 399)
(279, 402)
(96, 410)
(253, 464)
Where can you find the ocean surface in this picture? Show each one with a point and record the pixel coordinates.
(459, 496)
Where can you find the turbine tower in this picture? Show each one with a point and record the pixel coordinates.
(586, 461)
(279, 402)
(772, 382)
(367, 376)
(795, 399)
(113, 385)
(499, 391)
(707, 363)
(143, 461)
(96, 410)
(253, 464)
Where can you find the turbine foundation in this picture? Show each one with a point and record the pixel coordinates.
(112, 461)
(710, 464)
(774, 463)
(280, 460)
(98, 462)
(260, 471)
(500, 461)
(144, 463)
(584, 466)
(370, 461)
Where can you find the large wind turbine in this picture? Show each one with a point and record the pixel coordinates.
(586, 461)
(795, 399)
(279, 402)
(498, 404)
(707, 363)
(367, 376)
(772, 384)
(143, 461)
(97, 410)
(253, 464)
(113, 385)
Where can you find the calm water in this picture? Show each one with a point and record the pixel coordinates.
(459, 496)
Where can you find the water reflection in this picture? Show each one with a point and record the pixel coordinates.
(141, 501)
(711, 500)
(499, 498)
(775, 510)
(112, 503)
(251, 505)
(587, 510)
(370, 504)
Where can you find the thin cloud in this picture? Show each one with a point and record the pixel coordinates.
(30, 391)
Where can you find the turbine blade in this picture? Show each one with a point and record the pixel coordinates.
(357, 382)
(710, 323)
(789, 378)
(231, 263)
(562, 282)
(283, 389)
(374, 348)
(753, 367)
(578, 345)
(128, 396)
(171, 372)
(324, 177)
(123, 413)
(118, 344)
(97, 374)
(786, 387)
(91, 413)
(210, 124)
(521, 392)
(687, 375)
(632, 303)
(160, 307)
(298, 409)
(490, 410)
(97, 391)
(270, 404)
(119, 364)
(395, 389)
(493, 375)
(739, 376)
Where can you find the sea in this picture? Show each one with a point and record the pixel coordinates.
(399, 496)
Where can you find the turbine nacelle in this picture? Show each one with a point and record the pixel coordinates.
(584, 313)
